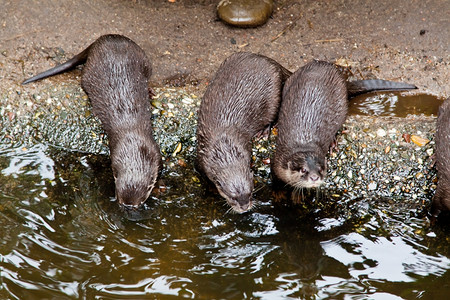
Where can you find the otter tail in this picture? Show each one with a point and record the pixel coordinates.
(365, 86)
(71, 63)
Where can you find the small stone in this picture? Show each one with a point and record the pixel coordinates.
(156, 103)
(187, 100)
(381, 132)
(372, 186)
(266, 161)
(245, 13)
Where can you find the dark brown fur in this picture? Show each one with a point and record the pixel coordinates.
(115, 77)
(241, 101)
(441, 200)
(313, 109)
(306, 129)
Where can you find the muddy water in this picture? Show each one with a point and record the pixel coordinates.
(395, 104)
(63, 237)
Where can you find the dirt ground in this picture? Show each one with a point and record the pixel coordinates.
(388, 39)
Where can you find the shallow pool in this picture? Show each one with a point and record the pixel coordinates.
(63, 236)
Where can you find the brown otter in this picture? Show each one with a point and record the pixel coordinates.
(241, 101)
(313, 108)
(441, 200)
(115, 78)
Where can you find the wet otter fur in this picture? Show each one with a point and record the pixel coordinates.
(441, 199)
(115, 78)
(314, 107)
(241, 101)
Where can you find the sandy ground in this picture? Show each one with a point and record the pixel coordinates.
(397, 40)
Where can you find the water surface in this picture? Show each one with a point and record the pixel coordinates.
(63, 236)
(394, 104)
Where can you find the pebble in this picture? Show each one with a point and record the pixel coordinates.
(245, 13)
(381, 132)
(372, 186)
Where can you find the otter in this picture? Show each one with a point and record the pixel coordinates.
(313, 108)
(115, 78)
(241, 102)
(441, 199)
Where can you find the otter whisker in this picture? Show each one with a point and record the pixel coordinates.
(258, 189)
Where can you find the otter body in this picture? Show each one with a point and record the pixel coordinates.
(115, 78)
(441, 200)
(313, 108)
(241, 101)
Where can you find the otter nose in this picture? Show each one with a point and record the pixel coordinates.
(130, 198)
(244, 202)
(314, 177)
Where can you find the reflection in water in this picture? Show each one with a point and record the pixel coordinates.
(64, 236)
(382, 259)
(394, 104)
(32, 161)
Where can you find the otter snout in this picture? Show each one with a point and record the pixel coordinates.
(241, 204)
(314, 177)
(132, 197)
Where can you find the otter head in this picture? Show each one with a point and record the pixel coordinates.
(227, 165)
(302, 170)
(135, 163)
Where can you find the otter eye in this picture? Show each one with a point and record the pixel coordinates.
(303, 170)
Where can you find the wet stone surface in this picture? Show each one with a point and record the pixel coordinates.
(376, 156)
(245, 13)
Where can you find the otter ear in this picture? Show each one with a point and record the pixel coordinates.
(293, 166)
(289, 165)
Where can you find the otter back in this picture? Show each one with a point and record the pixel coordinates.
(115, 77)
(241, 101)
(313, 108)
